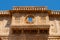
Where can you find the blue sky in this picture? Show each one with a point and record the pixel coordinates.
(8, 4)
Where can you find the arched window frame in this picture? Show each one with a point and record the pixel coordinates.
(29, 15)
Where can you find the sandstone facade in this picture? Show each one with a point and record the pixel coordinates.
(29, 23)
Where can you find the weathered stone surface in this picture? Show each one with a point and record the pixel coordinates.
(16, 20)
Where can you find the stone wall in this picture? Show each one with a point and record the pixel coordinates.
(5, 23)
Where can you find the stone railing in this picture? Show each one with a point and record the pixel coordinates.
(55, 12)
(29, 8)
(4, 12)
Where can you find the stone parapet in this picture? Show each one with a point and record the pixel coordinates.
(55, 12)
(29, 8)
(4, 12)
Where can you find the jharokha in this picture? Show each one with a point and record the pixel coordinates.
(29, 23)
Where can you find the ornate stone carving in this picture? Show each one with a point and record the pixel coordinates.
(29, 16)
(54, 27)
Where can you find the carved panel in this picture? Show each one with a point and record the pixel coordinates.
(17, 18)
(54, 27)
(43, 19)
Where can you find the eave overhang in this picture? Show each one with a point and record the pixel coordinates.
(29, 11)
(31, 26)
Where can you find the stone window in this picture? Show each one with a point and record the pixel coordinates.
(29, 19)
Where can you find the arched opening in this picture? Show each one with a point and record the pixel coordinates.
(29, 19)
